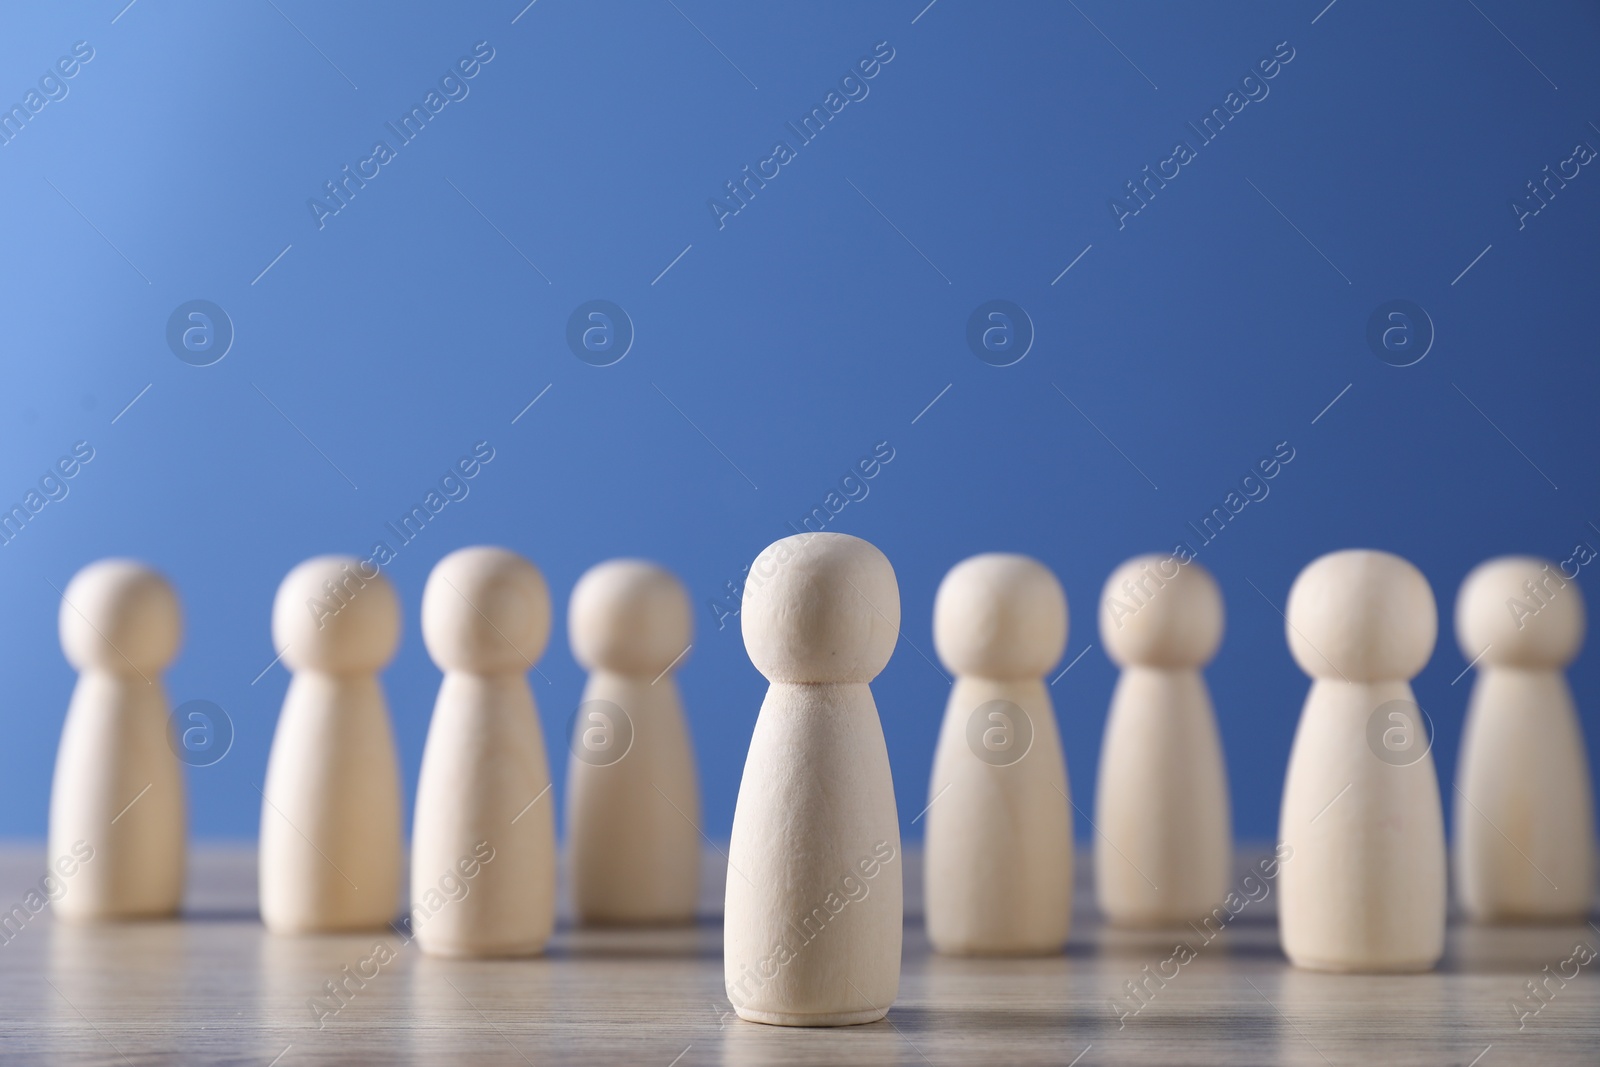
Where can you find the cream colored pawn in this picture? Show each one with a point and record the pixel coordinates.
(633, 798)
(1363, 881)
(1164, 852)
(998, 853)
(484, 781)
(330, 812)
(812, 926)
(1524, 826)
(116, 802)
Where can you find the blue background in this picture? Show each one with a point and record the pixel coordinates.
(1196, 337)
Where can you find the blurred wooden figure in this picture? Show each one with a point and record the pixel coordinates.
(633, 797)
(484, 784)
(998, 851)
(1362, 880)
(1164, 851)
(117, 816)
(1524, 825)
(330, 851)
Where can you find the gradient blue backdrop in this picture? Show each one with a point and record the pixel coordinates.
(414, 323)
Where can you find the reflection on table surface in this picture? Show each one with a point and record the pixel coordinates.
(215, 987)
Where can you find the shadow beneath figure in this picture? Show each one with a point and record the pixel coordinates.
(1518, 948)
(701, 941)
(222, 915)
(1259, 920)
(976, 1021)
(1081, 950)
(1181, 1027)
(748, 1044)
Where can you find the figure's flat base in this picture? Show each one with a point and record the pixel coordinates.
(1158, 922)
(979, 952)
(482, 952)
(676, 920)
(1528, 918)
(282, 929)
(1346, 967)
(828, 1018)
(92, 918)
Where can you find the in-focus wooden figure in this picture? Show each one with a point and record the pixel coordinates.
(330, 851)
(116, 801)
(1524, 804)
(998, 851)
(1362, 879)
(633, 796)
(1164, 851)
(814, 914)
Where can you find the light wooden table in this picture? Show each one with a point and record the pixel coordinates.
(216, 988)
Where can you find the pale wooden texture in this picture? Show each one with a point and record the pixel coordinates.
(815, 820)
(117, 794)
(997, 872)
(1162, 790)
(1522, 784)
(485, 620)
(331, 843)
(217, 988)
(1367, 889)
(633, 793)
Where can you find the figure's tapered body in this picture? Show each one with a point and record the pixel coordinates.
(1363, 885)
(633, 794)
(484, 787)
(1163, 850)
(330, 849)
(1161, 802)
(117, 818)
(1524, 802)
(804, 945)
(998, 847)
(814, 911)
(631, 823)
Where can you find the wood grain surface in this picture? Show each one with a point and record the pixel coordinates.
(215, 988)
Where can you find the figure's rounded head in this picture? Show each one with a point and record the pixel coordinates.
(336, 614)
(629, 616)
(820, 607)
(120, 616)
(1518, 611)
(1000, 616)
(1361, 616)
(485, 610)
(1158, 612)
